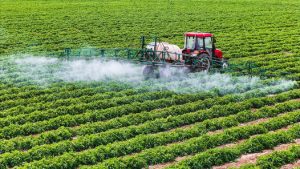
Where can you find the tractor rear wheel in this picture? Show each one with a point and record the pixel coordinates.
(165, 72)
(202, 63)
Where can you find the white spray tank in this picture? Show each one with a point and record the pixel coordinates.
(172, 52)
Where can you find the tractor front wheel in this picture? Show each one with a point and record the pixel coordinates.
(149, 72)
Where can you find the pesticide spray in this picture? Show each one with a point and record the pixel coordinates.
(44, 71)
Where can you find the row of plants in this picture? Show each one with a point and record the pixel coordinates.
(267, 63)
(161, 152)
(43, 93)
(201, 145)
(279, 158)
(277, 70)
(78, 108)
(73, 118)
(265, 59)
(295, 76)
(290, 70)
(25, 106)
(127, 120)
(91, 115)
(255, 144)
(123, 121)
(55, 93)
(125, 133)
(282, 70)
(142, 142)
(275, 66)
(288, 75)
(276, 159)
(6, 89)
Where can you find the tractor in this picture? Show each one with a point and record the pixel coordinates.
(199, 54)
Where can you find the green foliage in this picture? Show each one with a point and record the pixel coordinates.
(114, 125)
(242, 28)
(219, 156)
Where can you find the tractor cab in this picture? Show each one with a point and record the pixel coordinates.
(197, 43)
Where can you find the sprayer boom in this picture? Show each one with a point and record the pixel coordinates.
(198, 54)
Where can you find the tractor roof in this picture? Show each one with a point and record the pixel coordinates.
(198, 34)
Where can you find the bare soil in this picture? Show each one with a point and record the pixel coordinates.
(164, 165)
(182, 127)
(293, 165)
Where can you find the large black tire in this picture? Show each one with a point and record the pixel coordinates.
(149, 72)
(202, 63)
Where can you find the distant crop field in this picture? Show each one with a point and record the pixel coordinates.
(243, 28)
(90, 113)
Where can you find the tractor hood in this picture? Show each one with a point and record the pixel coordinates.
(218, 53)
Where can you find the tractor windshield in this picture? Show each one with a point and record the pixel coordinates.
(190, 42)
(199, 43)
(207, 43)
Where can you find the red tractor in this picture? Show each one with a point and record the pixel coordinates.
(199, 54)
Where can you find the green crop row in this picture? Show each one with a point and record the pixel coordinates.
(68, 120)
(270, 60)
(131, 119)
(55, 93)
(95, 105)
(61, 118)
(220, 156)
(124, 133)
(279, 158)
(11, 92)
(148, 141)
(72, 120)
(270, 63)
(266, 59)
(295, 77)
(276, 159)
(8, 90)
(161, 154)
(52, 93)
(25, 106)
(93, 140)
(280, 66)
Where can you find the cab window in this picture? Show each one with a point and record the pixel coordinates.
(199, 43)
(190, 42)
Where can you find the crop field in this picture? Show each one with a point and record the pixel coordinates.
(86, 113)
